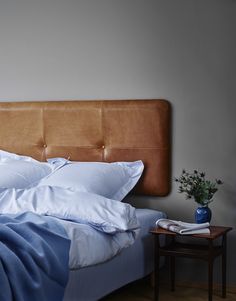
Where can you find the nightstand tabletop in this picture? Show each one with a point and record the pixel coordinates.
(215, 232)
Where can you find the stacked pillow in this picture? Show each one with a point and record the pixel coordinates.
(20, 171)
(111, 180)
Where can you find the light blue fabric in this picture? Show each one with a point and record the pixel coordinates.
(130, 264)
(22, 174)
(22, 171)
(84, 237)
(4, 156)
(112, 225)
(104, 214)
(111, 180)
(34, 253)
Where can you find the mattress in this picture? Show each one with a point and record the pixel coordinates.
(135, 262)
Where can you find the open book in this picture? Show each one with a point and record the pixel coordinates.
(183, 228)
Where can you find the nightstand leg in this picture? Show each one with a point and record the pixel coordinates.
(156, 268)
(210, 271)
(172, 272)
(224, 266)
(210, 280)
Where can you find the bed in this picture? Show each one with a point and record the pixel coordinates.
(99, 131)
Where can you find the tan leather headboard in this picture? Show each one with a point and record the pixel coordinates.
(119, 130)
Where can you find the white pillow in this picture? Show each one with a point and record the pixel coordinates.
(22, 174)
(17, 171)
(5, 156)
(111, 180)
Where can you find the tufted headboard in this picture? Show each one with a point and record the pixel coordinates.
(119, 130)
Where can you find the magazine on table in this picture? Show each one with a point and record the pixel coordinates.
(182, 227)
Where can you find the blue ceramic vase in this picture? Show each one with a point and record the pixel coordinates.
(203, 215)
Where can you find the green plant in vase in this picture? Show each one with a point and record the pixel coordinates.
(197, 187)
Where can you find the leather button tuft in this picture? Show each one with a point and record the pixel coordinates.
(103, 146)
(45, 145)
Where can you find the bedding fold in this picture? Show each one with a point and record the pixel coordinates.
(104, 214)
(113, 225)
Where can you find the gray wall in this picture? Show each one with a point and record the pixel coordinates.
(182, 50)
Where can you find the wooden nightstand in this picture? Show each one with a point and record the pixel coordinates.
(207, 252)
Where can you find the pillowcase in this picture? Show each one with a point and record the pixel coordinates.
(111, 180)
(22, 171)
(22, 174)
(5, 156)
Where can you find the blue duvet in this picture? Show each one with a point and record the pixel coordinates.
(34, 254)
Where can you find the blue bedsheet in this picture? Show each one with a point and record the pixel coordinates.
(34, 255)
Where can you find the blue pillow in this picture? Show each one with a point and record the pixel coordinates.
(111, 180)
